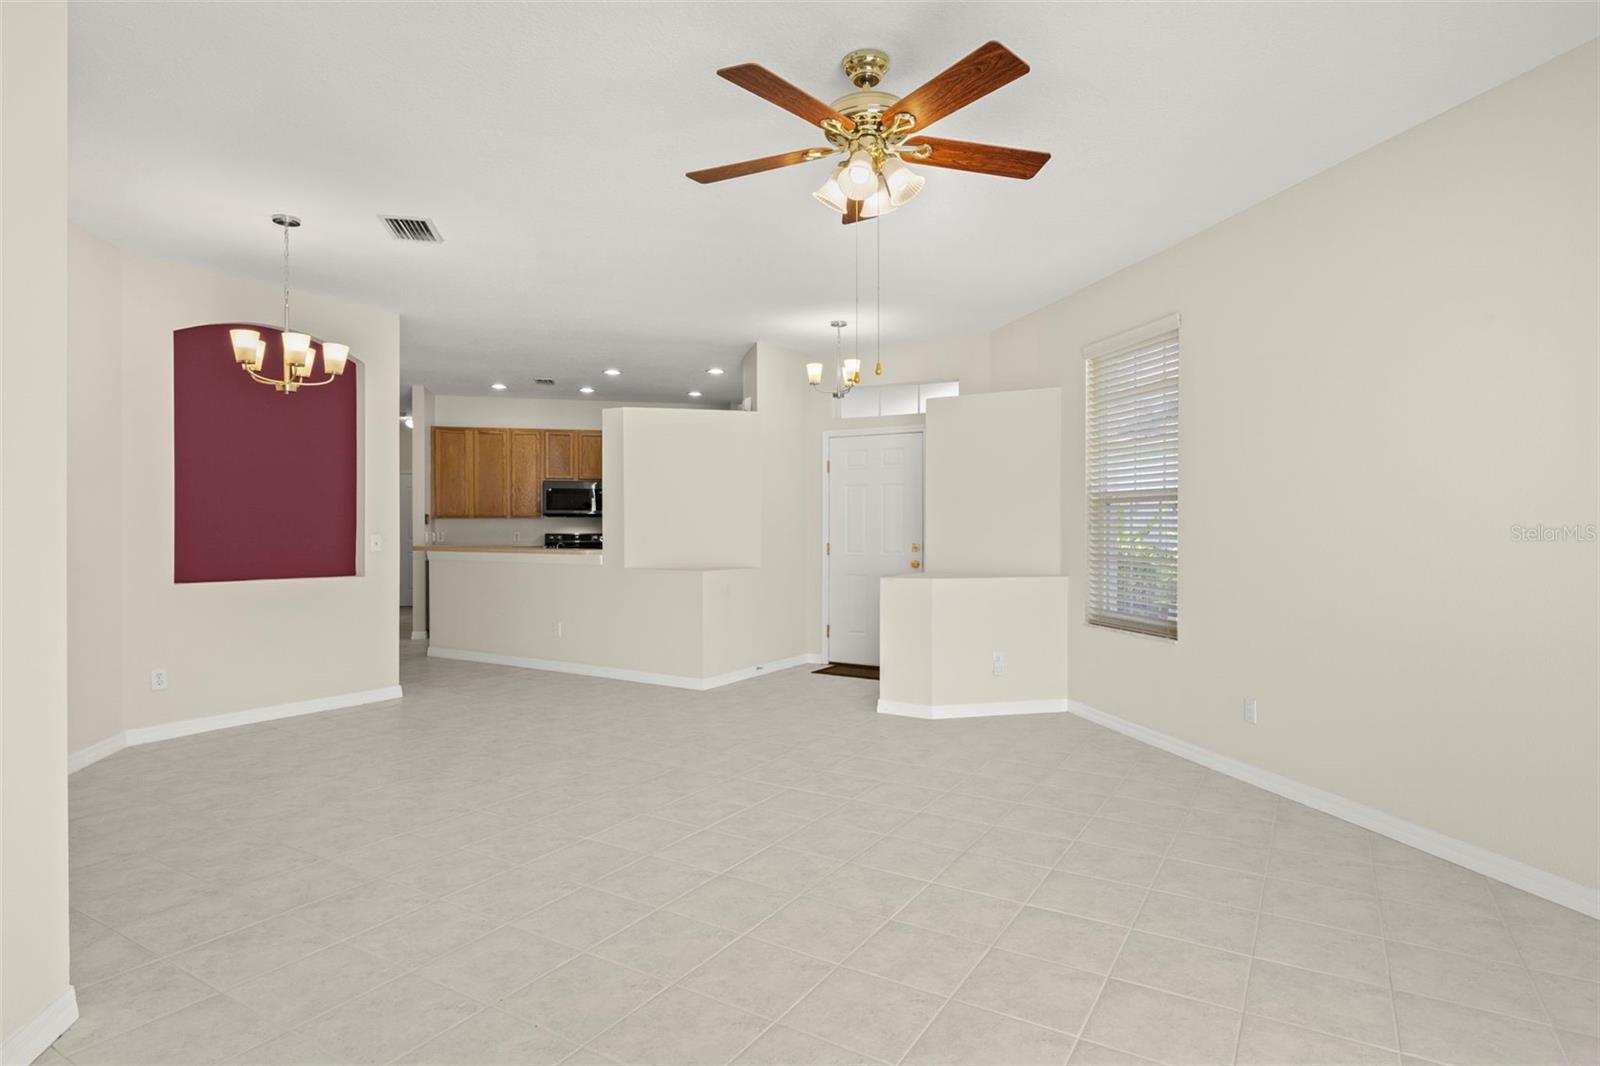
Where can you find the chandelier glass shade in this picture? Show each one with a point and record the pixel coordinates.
(299, 350)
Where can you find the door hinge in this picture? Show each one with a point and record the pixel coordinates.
(827, 631)
(830, 466)
(827, 549)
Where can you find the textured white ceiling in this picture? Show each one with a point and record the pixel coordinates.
(549, 142)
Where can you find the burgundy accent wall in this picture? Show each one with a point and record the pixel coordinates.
(264, 482)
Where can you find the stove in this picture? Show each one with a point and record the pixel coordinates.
(590, 541)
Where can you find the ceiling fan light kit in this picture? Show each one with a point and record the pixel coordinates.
(878, 132)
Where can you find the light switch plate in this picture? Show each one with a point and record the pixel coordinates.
(376, 542)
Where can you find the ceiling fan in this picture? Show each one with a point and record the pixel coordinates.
(878, 132)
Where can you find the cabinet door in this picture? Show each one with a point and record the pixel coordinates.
(452, 472)
(491, 473)
(589, 456)
(527, 472)
(560, 453)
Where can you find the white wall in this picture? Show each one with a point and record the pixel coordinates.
(993, 487)
(33, 529)
(1384, 369)
(218, 642)
(940, 635)
(693, 489)
(94, 491)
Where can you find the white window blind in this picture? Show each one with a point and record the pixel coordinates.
(1132, 482)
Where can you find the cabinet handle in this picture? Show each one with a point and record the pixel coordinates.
(915, 546)
(916, 564)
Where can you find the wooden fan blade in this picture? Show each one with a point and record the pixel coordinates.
(982, 158)
(968, 79)
(756, 166)
(852, 211)
(758, 79)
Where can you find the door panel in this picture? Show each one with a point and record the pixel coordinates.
(527, 472)
(589, 456)
(452, 473)
(874, 531)
(491, 473)
(560, 453)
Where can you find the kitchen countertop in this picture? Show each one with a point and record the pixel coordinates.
(523, 549)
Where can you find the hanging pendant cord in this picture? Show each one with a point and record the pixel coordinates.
(286, 279)
(857, 239)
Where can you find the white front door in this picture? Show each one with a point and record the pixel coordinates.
(874, 530)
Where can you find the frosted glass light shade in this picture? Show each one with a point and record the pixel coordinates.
(245, 342)
(296, 349)
(860, 177)
(261, 354)
(334, 356)
(879, 203)
(852, 370)
(830, 195)
(814, 373)
(903, 182)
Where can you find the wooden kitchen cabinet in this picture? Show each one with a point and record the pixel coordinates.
(452, 472)
(560, 453)
(491, 473)
(527, 472)
(500, 473)
(589, 455)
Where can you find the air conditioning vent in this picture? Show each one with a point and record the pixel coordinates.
(544, 381)
(412, 229)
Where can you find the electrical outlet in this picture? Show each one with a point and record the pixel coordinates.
(1250, 711)
(158, 681)
(999, 663)
(516, 537)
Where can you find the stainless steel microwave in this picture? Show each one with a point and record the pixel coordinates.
(572, 499)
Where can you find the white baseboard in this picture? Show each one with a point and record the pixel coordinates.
(189, 726)
(1513, 872)
(419, 634)
(95, 752)
(34, 1038)
(970, 710)
(615, 673)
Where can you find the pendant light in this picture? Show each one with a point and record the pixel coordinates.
(299, 350)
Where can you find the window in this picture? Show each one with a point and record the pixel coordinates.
(1132, 480)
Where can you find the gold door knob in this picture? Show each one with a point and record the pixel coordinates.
(916, 564)
(915, 546)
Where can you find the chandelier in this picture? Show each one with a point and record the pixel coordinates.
(847, 372)
(299, 350)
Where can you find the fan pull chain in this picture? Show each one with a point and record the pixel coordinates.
(857, 256)
(877, 318)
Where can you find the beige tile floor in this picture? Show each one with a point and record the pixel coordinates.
(519, 867)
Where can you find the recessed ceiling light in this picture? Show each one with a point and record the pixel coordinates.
(498, 386)
(612, 372)
(694, 395)
(713, 370)
(587, 389)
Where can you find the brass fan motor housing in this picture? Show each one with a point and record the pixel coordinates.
(865, 67)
